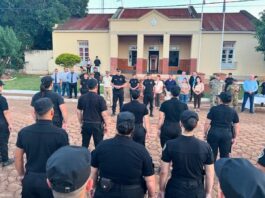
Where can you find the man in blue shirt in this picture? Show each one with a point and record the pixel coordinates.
(170, 82)
(65, 83)
(72, 78)
(250, 87)
(56, 77)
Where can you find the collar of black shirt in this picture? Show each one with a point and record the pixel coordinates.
(44, 121)
(126, 137)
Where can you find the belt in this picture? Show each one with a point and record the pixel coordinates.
(187, 182)
(127, 187)
(91, 122)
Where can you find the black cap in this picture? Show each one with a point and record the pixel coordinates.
(125, 116)
(225, 97)
(68, 168)
(261, 158)
(1, 83)
(43, 105)
(239, 178)
(92, 83)
(135, 94)
(187, 114)
(46, 80)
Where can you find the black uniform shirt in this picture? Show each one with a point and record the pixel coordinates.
(92, 106)
(84, 84)
(122, 160)
(97, 62)
(173, 109)
(56, 99)
(139, 110)
(188, 156)
(133, 82)
(97, 76)
(149, 86)
(3, 107)
(222, 116)
(39, 141)
(118, 80)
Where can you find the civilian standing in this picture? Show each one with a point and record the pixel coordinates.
(198, 90)
(184, 92)
(72, 79)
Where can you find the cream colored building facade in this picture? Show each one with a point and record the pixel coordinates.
(162, 41)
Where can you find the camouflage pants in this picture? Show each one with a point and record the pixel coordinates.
(213, 100)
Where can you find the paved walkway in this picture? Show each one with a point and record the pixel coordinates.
(250, 141)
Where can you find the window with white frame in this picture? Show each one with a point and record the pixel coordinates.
(132, 55)
(228, 55)
(83, 51)
(173, 56)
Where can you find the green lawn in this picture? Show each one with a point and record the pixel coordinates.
(24, 82)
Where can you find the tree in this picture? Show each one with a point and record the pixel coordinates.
(33, 20)
(11, 55)
(260, 33)
(67, 60)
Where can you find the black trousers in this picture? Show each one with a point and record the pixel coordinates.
(118, 191)
(91, 129)
(220, 139)
(139, 133)
(35, 185)
(251, 101)
(169, 131)
(191, 94)
(117, 95)
(4, 137)
(157, 100)
(73, 86)
(149, 99)
(177, 188)
(197, 100)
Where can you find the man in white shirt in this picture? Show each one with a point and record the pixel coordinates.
(159, 85)
(107, 87)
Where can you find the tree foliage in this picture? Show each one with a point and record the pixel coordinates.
(67, 60)
(11, 55)
(33, 20)
(260, 33)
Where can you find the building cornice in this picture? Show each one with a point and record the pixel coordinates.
(228, 32)
(133, 20)
(80, 31)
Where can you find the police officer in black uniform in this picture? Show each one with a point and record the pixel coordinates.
(141, 116)
(191, 158)
(60, 111)
(169, 116)
(98, 77)
(134, 85)
(38, 142)
(5, 129)
(118, 82)
(84, 84)
(149, 92)
(222, 126)
(123, 165)
(92, 114)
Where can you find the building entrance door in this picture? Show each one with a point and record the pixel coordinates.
(153, 61)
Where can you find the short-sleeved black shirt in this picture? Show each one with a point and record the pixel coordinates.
(39, 141)
(222, 116)
(92, 106)
(122, 160)
(97, 76)
(188, 156)
(56, 99)
(173, 109)
(149, 86)
(3, 107)
(97, 62)
(133, 82)
(118, 80)
(84, 83)
(139, 110)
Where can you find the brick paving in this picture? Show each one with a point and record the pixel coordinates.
(251, 139)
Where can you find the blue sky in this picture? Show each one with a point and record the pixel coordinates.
(254, 7)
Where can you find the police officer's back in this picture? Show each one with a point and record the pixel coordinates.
(84, 84)
(38, 142)
(122, 164)
(92, 114)
(149, 92)
(169, 116)
(134, 84)
(141, 116)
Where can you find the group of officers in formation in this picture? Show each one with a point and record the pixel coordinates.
(121, 166)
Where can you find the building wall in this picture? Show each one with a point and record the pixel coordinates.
(247, 60)
(67, 42)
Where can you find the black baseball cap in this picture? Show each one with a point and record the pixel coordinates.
(125, 116)
(43, 105)
(92, 83)
(1, 83)
(187, 114)
(68, 168)
(261, 158)
(225, 97)
(239, 178)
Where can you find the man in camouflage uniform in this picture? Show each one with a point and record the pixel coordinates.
(234, 89)
(216, 87)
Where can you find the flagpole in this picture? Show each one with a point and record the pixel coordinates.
(200, 40)
(222, 37)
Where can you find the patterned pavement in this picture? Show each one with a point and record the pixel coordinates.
(251, 139)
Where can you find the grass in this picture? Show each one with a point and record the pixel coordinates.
(24, 82)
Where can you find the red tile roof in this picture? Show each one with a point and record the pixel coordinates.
(170, 13)
(90, 22)
(233, 22)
